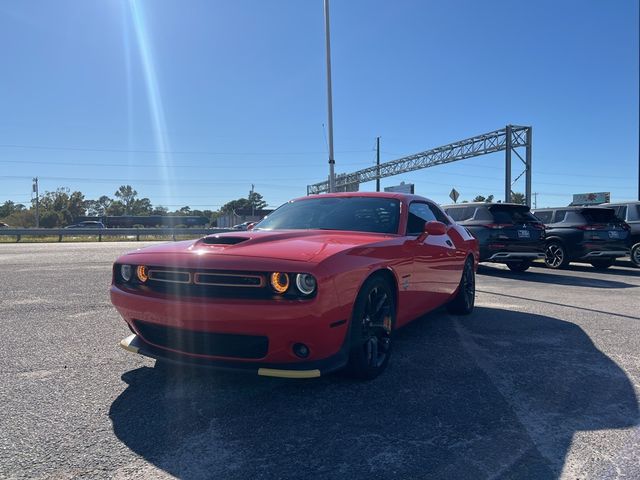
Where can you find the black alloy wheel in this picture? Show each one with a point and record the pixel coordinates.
(556, 256)
(520, 266)
(371, 328)
(464, 301)
(635, 255)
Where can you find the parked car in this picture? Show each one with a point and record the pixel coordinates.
(87, 224)
(242, 226)
(630, 213)
(4, 225)
(320, 284)
(507, 232)
(588, 234)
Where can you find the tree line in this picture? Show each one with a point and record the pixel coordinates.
(61, 207)
(516, 197)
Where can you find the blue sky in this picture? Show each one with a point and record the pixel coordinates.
(192, 102)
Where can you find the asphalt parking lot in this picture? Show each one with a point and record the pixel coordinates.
(542, 381)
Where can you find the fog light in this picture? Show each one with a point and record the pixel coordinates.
(142, 273)
(125, 272)
(280, 282)
(301, 350)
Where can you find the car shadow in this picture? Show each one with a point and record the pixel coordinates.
(553, 277)
(498, 394)
(616, 269)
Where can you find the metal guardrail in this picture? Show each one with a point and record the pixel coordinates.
(107, 232)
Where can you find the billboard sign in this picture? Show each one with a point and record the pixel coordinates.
(402, 188)
(346, 183)
(595, 198)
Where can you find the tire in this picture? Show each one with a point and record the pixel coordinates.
(635, 255)
(520, 266)
(603, 264)
(465, 299)
(374, 317)
(556, 256)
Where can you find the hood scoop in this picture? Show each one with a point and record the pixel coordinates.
(223, 240)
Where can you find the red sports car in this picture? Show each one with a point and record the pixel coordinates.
(318, 285)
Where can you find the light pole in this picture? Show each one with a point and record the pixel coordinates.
(35, 190)
(332, 174)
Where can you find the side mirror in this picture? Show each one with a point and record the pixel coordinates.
(434, 228)
(251, 225)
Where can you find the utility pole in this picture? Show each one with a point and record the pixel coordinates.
(507, 168)
(377, 164)
(535, 200)
(327, 34)
(35, 190)
(253, 202)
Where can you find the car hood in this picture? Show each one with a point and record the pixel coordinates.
(294, 245)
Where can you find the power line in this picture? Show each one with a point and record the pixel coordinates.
(163, 152)
(143, 181)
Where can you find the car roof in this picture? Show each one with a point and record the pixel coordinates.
(478, 204)
(619, 204)
(595, 207)
(407, 197)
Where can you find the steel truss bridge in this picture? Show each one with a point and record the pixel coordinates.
(511, 139)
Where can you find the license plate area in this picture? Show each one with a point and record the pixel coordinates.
(524, 234)
(614, 234)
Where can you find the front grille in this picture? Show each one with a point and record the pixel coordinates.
(194, 283)
(170, 276)
(206, 283)
(229, 280)
(204, 343)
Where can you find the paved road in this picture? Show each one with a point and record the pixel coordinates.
(542, 381)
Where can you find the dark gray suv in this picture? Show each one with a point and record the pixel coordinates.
(506, 232)
(630, 213)
(588, 234)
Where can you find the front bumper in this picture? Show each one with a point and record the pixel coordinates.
(135, 344)
(320, 324)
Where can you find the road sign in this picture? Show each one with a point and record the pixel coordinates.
(454, 195)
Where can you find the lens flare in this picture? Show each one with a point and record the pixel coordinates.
(141, 34)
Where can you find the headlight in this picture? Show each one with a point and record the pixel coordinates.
(125, 272)
(305, 283)
(280, 282)
(142, 273)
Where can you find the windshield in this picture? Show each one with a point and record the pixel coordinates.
(359, 214)
(600, 215)
(507, 214)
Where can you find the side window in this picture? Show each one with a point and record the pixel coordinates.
(419, 214)
(545, 217)
(560, 216)
(460, 214)
(439, 214)
(621, 211)
(483, 213)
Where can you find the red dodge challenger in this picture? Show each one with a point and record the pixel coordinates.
(318, 285)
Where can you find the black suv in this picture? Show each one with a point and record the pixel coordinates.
(630, 213)
(589, 234)
(507, 232)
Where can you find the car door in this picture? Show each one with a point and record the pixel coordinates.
(434, 258)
